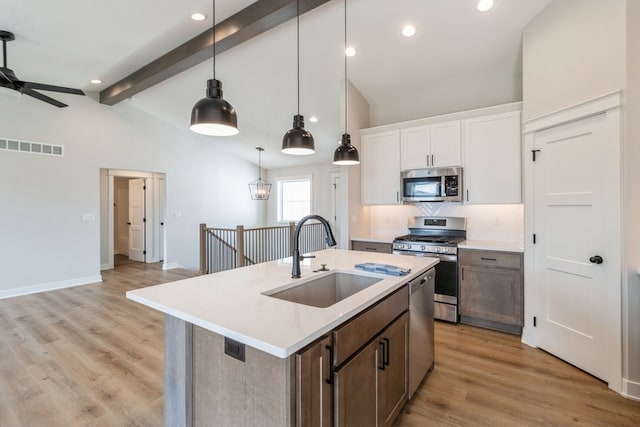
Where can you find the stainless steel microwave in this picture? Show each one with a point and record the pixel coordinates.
(432, 185)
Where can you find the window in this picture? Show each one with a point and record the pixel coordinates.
(294, 198)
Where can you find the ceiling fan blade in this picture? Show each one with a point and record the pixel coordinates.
(51, 88)
(41, 97)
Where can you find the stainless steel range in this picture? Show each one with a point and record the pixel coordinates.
(437, 237)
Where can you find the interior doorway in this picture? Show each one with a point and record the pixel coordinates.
(132, 217)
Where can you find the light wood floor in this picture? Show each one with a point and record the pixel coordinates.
(86, 356)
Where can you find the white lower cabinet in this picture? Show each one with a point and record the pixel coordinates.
(380, 168)
(492, 161)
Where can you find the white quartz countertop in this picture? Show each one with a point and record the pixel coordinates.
(491, 245)
(375, 238)
(231, 303)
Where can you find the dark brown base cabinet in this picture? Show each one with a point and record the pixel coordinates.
(357, 375)
(371, 388)
(491, 289)
(361, 245)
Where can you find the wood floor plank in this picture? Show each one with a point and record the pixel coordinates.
(86, 356)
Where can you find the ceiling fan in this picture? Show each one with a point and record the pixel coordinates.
(9, 80)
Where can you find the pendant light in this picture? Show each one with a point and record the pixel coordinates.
(298, 141)
(260, 188)
(346, 154)
(212, 115)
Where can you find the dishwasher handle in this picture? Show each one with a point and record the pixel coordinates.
(419, 282)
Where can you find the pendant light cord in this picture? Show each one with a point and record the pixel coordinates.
(214, 39)
(298, 48)
(346, 98)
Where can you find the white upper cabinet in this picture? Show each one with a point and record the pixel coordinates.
(492, 162)
(435, 145)
(380, 168)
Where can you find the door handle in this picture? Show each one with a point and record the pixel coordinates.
(381, 359)
(329, 380)
(596, 259)
(386, 352)
(128, 223)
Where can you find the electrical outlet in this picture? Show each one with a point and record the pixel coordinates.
(498, 221)
(234, 349)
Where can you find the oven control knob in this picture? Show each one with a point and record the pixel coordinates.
(423, 247)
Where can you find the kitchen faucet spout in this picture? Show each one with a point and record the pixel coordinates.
(331, 241)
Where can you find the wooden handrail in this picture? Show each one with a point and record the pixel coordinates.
(266, 243)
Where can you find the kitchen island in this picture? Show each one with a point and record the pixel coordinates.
(230, 348)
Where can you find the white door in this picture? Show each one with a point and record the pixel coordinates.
(136, 219)
(576, 182)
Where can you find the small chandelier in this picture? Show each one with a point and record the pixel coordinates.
(260, 188)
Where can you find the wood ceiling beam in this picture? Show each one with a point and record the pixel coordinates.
(250, 22)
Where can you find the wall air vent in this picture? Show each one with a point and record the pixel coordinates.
(8, 144)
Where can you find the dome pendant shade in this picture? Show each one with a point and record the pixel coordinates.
(213, 115)
(297, 140)
(346, 154)
(259, 189)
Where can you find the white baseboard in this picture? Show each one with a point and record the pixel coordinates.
(34, 289)
(170, 265)
(106, 266)
(631, 389)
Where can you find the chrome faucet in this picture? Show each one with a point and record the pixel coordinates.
(331, 241)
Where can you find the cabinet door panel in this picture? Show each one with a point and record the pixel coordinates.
(356, 391)
(492, 159)
(445, 144)
(394, 380)
(380, 168)
(492, 294)
(415, 152)
(313, 393)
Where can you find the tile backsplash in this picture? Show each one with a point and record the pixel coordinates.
(503, 223)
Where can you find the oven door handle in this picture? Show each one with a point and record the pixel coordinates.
(444, 257)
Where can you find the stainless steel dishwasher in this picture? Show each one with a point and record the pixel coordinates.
(421, 335)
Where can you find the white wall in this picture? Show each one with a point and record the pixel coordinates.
(456, 93)
(44, 241)
(574, 50)
(501, 223)
(631, 330)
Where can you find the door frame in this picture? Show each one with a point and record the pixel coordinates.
(610, 104)
(155, 201)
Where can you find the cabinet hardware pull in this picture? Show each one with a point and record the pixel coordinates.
(372, 249)
(329, 365)
(462, 273)
(397, 196)
(381, 359)
(427, 160)
(386, 351)
(467, 195)
(488, 259)
(432, 164)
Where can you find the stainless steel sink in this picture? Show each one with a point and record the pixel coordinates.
(326, 290)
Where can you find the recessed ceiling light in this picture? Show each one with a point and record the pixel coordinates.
(484, 5)
(96, 81)
(313, 119)
(350, 51)
(198, 16)
(408, 30)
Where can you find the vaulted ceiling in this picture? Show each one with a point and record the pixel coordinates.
(458, 59)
